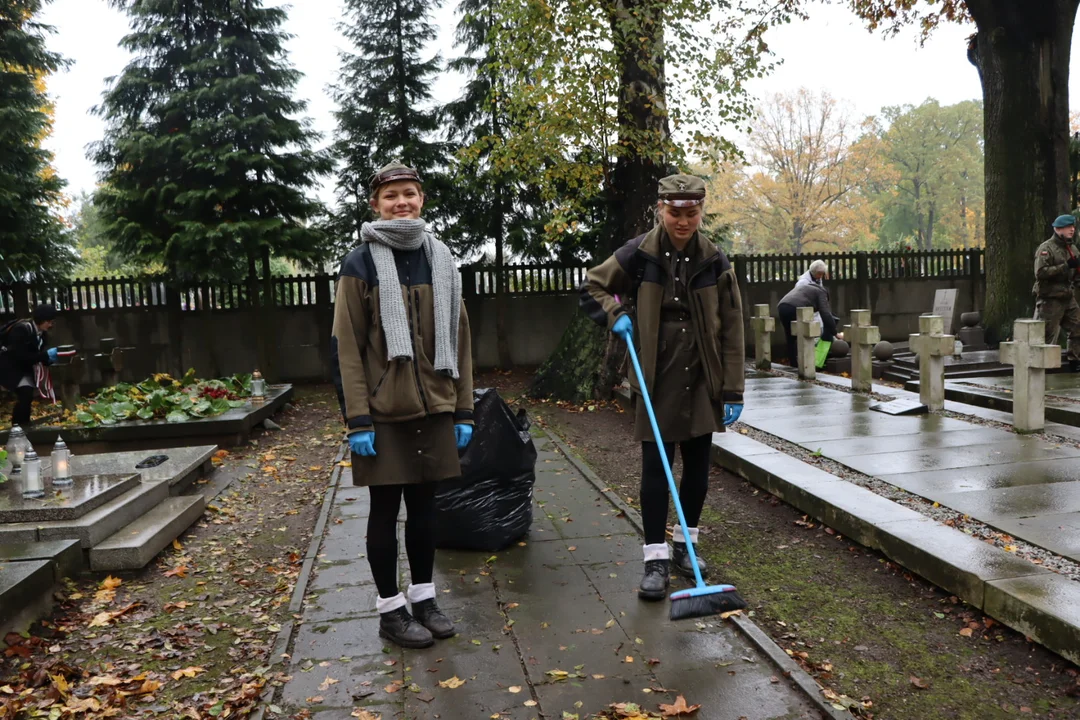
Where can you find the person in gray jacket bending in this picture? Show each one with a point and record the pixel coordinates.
(812, 294)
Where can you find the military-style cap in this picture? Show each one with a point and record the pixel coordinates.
(1064, 221)
(682, 190)
(393, 172)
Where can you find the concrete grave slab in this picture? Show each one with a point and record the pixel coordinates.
(1043, 607)
(23, 584)
(985, 477)
(1021, 449)
(838, 427)
(949, 558)
(1059, 533)
(182, 468)
(901, 443)
(1015, 502)
(62, 503)
(66, 555)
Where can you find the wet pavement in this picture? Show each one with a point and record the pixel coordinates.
(1018, 484)
(551, 625)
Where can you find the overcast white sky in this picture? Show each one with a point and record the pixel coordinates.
(831, 51)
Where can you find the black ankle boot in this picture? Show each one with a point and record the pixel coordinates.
(1074, 365)
(430, 616)
(400, 628)
(654, 584)
(682, 561)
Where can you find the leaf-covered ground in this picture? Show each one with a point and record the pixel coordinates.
(190, 635)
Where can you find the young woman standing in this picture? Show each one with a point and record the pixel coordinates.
(690, 337)
(402, 349)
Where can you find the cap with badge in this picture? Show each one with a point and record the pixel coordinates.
(682, 190)
(393, 172)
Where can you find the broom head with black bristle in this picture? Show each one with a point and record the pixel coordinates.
(705, 601)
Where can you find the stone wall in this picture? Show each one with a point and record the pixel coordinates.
(220, 342)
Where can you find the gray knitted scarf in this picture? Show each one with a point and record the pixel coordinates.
(383, 238)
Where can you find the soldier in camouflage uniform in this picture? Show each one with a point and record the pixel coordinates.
(1056, 269)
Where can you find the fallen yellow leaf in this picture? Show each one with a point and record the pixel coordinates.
(628, 659)
(678, 708)
(966, 632)
(345, 463)
(148, 687)
(365, 715)
(188, 672)
(176, 544)
(325, 685)
(530, 703)
(453, 683)
(515, 688)
(179, 571)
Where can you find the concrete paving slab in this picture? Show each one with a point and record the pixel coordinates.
(332, 640)
(740, 444)
(1017, 449)
(1015, 502)
(969, 479)
(1043, 607)
(547, 604)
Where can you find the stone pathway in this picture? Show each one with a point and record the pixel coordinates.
(548, 626)
(1020, 485)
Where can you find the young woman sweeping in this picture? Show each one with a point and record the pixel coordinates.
(403, 352)
(689, 329)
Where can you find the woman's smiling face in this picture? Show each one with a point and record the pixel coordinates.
(402, 200)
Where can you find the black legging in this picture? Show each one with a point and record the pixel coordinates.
(24, 400)
(787, 316)
(697, 458)
(382, 545)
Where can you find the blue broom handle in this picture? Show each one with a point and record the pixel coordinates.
(664, 460)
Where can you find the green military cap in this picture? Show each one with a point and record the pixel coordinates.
(393, 172)
(682, 190)
(1064, 221)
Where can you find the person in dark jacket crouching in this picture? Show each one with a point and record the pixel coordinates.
(689, 328)
(23, 349)
(403, 353)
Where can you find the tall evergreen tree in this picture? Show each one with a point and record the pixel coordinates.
(206, 165)
(385, 102)
(33, 242)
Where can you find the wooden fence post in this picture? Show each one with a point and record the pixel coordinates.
(862, 279)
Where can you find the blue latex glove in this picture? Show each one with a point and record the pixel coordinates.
(463, 434)
(732, 411)
(363, 443)
(623, 327)
(53, 354)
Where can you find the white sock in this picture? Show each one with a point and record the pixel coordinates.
(657, 551)
(421, 592)
(385, 605)
(677, 535)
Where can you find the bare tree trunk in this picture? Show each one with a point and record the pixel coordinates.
(1022, 53)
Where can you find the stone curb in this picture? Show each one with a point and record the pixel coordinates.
(1032, 600)
(758, 637)
(284, 638)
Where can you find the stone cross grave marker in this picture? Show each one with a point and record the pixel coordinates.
(945, 308)
(932, 346)
(1030, 359)
(807, 331)
(864, 337)
(763, 325)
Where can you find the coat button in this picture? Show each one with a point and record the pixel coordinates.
(421, 452)
(667, 254)
(677, 300)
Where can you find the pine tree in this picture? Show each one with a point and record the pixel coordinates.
(385, 101)
(206, 167)
(33, 242)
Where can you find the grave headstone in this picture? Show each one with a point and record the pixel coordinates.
(1030, 358)
(945, 308)
(932, 346)
(806, 331)
(763, 325)
(864, 337)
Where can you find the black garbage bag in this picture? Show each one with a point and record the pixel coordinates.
(490, 506)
